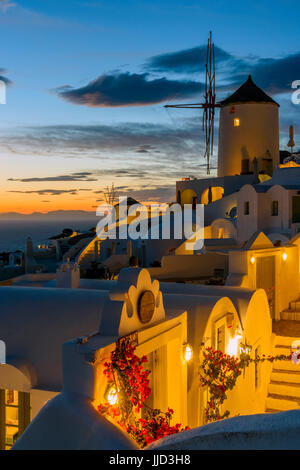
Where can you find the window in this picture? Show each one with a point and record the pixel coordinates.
(2, 352)
(246, 208)
(236, 122)
(274, 208)
(221, 338)
(178, 197)
(14, 416)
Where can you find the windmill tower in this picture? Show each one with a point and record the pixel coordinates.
(248, 132)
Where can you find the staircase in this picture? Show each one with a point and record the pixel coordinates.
(88, 254)
(284, 387)
(75, 249)
(293, 312)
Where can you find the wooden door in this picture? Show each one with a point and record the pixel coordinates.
(265, 279)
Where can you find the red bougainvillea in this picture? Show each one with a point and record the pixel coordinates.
(126, 374)
(219, 373)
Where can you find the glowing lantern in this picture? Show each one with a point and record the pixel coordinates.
(112, 396)
(252, 260)
(284, 256)
(236, 122)
(188, 353)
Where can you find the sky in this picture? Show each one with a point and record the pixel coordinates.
(87, 81)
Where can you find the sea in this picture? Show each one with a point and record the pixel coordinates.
(13, 233)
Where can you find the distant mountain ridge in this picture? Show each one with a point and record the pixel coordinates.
(52, 215)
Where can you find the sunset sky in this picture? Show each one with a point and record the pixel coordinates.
(87, 81)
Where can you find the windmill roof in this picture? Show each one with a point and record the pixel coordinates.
(248, 92)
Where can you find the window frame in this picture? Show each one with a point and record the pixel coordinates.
(275, 208)
(246, 208)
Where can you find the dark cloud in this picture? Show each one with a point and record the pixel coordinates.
(147, 148)
(129, 89)
(153, 192)
(275, 75)
(82, 176)
(186, 61)
(50, 192)
(117, 89)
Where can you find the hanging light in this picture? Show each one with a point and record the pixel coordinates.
(187, 352)
(112, 395)
(252, 260)
(284, 256)
(233, 343)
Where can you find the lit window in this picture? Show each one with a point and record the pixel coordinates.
(236, 122)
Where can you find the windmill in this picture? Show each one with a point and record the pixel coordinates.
(209, 105)
(110, 195)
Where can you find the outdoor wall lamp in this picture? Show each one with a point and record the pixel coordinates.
(112, 395)
(187, 352)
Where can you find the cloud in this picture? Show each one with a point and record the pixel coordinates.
(185, 61)
(81, 176)
(117, 89)
(128, 89)
(6, 4)
(147, 148)
(49, 192)
(170, 151)
(276, 75)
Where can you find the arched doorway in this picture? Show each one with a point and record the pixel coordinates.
(211, 194)
(188, 196)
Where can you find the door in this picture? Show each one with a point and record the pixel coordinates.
(265, 279)
(157, 380)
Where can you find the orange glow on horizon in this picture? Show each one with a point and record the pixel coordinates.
(29, 203)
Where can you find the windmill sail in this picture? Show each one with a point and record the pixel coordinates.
(209, 105)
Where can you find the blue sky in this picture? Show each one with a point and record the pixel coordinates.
(89, 80)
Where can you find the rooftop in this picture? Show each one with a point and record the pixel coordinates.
(248, 93)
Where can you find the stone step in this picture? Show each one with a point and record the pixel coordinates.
(281, 403)
(290, 315)
(284, 340)
(286, 366)
(286, 329)
(295, 305)
(281, 375)
(280, 349)
(285, 389)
